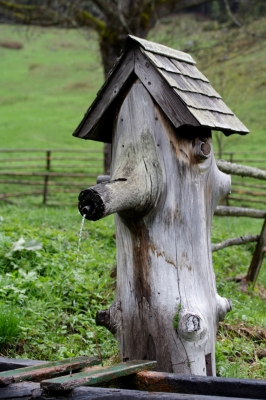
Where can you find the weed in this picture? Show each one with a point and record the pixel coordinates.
(176, 317)
(10, 318)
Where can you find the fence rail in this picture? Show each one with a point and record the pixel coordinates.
(76, 169)
(260, 249)
(57, 171)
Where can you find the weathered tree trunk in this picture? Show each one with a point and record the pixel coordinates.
(164, 187)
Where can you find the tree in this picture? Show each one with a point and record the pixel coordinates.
(113, 20)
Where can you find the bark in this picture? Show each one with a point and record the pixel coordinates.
(164, 188)
(235, 242)
(241, 170)
(227, 211)
(257, 258)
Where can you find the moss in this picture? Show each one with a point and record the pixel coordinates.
(109, 36)
(92, 21)
(176, 317)
(144, 20)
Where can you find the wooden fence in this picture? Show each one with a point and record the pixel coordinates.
(56, 176)
(246, 190)
(50, 174)
(47, 174)
(257, 259)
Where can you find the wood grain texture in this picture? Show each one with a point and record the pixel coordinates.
(201, 385)
(227, 211)
(136, 161)
(258, 257)
(203, 102)
(164, 95)
(161, 69)
(219, 121)
(97, 376)
(189, 70)
(162, 50)
(166, 306)
(7, 364)
(235, 242)
(188, 84)
(162, 62)
(108, 93)
(46, 370)
(241, 170)
(31, 391)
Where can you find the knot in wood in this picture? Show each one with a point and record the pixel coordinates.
(206, 148)
(202, 150)
(193, 323)
(192, 327)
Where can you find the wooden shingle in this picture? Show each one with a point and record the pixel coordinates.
(174, 82)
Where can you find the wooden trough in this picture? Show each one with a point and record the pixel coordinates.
(67, 379)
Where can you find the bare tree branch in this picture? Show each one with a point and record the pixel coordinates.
(239, 24)
(235, 242)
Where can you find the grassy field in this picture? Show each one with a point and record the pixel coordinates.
(49, 293)
(46, 86)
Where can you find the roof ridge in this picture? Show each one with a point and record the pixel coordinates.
(162, 50)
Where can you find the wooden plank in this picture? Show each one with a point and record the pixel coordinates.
(203, 102)
(200, 385)
(189, 70)
(107, 94)
(162, 62)
(159, 89)
(188, 84)
(7, 364)
(219, 121)
(94, 377)
(163, 50)
(30, 391)
(46, 370)
(257, 258)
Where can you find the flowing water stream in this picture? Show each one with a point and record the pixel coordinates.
(80, 235)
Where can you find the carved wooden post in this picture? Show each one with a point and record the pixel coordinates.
(164, 188)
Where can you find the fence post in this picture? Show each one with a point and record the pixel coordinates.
(257, 258)
(46, 178)
(48, 160)
(45, 188)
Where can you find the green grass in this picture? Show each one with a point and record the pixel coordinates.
(233, 61)
(47, 86)
(9, 325)
(57, 290)
(45, 89)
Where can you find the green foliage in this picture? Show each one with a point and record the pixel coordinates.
(176, 317)
(233, 61)
(57, 295)
(45, 88)
(243, 334)
(10, 320)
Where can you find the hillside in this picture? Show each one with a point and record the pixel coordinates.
(47, 85)
(233, 61)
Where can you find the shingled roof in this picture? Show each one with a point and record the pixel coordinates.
(174, 82)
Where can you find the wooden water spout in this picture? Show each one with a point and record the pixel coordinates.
(164, 188)
(157, 109)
